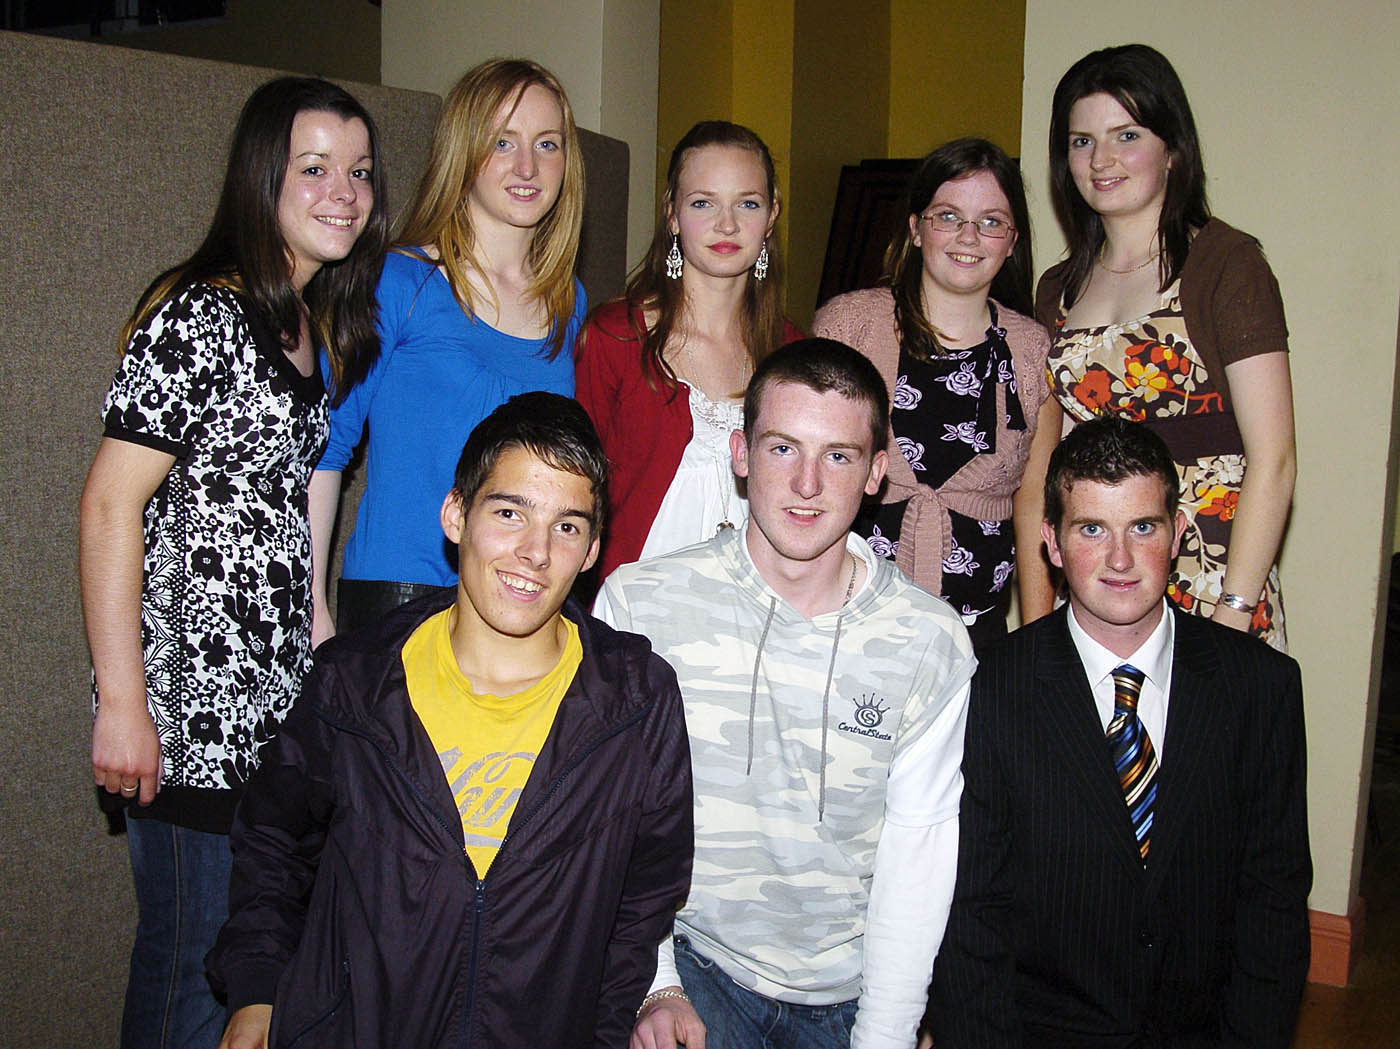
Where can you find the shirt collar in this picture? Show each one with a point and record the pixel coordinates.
(1153, 657)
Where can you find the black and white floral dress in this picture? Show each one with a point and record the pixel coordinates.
(226, 596)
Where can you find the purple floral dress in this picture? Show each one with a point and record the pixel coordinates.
(942, 415)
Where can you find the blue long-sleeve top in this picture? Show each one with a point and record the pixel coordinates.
(439, 373)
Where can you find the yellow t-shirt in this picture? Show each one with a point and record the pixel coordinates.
(487, 744)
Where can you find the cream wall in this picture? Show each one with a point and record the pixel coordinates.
(1301, 134)
(605, 53)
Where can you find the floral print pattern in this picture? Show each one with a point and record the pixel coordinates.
(963, 382)
(959, 561)
(905, 396)
(912, 451)
(1147, 370)
(936, 416)
(226, 604)
(968, 433)
(881, 545)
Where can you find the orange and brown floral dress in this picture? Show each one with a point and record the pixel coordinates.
(1147, 371)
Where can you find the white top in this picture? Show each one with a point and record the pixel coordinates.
(704, 493)
(1153, 658)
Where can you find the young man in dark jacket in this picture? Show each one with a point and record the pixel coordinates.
(475, 827)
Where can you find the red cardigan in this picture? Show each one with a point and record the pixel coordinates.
(644, 431)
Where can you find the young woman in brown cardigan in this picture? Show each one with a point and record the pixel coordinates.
(1166, 315)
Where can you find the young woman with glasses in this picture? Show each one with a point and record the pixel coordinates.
(1167, 315)
(966, 372)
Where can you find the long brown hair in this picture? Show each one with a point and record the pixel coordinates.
(245, 251)
(463, 139)
(649, 288)
(1144, 83)
(904, 260)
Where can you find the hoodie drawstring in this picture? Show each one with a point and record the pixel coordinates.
(826, 699)
(826, 695)
(753, 685)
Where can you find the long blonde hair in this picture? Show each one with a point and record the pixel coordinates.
(465, 135)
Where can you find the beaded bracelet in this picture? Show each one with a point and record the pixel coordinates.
(656, 996)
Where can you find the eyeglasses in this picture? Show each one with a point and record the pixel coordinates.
(951, 222)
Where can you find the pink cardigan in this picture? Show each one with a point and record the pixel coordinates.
(644, 431)
(982, 489)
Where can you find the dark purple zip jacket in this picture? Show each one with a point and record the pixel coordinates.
(355, 910)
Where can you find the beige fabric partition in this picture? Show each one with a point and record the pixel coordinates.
(110, 163)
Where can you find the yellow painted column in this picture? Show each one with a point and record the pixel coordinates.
(955, 69)
(762, 79)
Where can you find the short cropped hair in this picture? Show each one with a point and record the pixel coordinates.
(822, 365)
(554, 429)
(1108, 449)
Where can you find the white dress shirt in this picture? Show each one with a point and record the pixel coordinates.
(1153, 658)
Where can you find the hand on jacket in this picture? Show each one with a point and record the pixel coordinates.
(666, 1023)
(247, 1028)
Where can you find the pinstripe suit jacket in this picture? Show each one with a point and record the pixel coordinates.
(1059, 936)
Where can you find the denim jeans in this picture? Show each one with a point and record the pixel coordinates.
(737, 1018)
(182, 900)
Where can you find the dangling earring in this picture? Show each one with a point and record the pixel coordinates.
(760, 267)
(674, 262)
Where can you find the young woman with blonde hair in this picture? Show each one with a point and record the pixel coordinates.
(478, 301)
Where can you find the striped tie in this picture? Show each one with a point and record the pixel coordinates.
(1133, 755)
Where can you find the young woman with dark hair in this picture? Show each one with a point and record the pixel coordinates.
(662, 370)
(1166, 315)
(477, 302)
(195, 550)
(966, 372)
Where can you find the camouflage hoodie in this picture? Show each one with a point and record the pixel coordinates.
(793, 725)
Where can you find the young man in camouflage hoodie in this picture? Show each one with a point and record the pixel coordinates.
(825, 697)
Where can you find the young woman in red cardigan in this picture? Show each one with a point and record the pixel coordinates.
(662, 370)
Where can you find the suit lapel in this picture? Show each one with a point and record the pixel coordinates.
(1071, 725)
(1194, 726)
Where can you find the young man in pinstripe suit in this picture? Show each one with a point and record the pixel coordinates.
(1134, 867)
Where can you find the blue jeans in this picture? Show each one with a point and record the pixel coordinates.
(737, 1018)
(182, 898)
